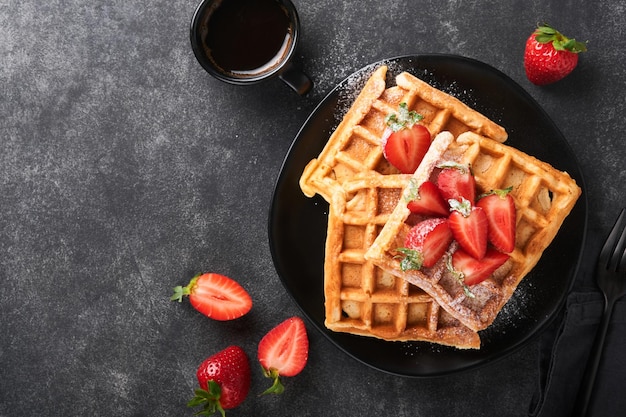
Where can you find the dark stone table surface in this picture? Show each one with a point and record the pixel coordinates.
(125, 169)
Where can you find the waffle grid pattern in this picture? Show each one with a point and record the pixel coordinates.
(360, 297)
(543, 196)
(354, 147)
(364, 299)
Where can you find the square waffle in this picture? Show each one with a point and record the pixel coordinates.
(363, 299)
(354, 146)
(543, 196)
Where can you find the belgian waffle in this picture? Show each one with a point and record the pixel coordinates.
(360, 297)
(354, 146)
(543, 196)
(363, 299)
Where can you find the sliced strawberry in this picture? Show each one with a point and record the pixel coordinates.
(216, 296)
(475, 271)
(408, 142)
(284, 351)
(427, 200)
(456, 182)
(500, 210)
(224, 380)
(430, 238)
(469, 227)
(406, 148)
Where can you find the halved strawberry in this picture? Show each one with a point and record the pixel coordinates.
(475, 271)
(224, 380)
(456, 181)
(501, 215)
(469, 227)
(430, 238)
(407, 143)
(427, 200)
(284, 351)
(216, 296)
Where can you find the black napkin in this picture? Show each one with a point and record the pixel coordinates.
(565, 347)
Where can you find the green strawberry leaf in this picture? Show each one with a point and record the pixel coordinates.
(412, 259)
(546, 34)
(403, 119)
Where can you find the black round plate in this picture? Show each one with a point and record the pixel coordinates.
(297, 224)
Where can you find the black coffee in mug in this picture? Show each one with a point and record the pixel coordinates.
(247, 37)
(247, 41)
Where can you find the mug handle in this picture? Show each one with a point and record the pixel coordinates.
(296, 79)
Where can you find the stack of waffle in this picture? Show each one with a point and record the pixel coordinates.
(365, 291)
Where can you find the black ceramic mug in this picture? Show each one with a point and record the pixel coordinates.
(244, 42)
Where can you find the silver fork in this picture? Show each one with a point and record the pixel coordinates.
(611, 278)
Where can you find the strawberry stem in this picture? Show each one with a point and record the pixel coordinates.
(277, 387)
(403, 119)
(464, 168)
(464, 206)
(546, 34)
(209, 399)
(460, 276)
(413, 191)
(412, 259)
(502, 192)
(180, 291)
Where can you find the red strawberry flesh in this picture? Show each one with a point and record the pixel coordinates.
(216, 296)
(428, 201)
(456, 182)
(405, 142)
(406, 148)
(469, 227)
(475, 271)
(501, 216)
(431, 238)
(284, 351)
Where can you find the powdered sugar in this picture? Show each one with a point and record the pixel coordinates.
(349, 89)
(513, 316)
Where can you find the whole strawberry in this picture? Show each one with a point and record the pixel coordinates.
(224, 380)
(550, 56)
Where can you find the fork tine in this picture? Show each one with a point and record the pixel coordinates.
(622, 263)
(621, 247)
(618, 259)
(615, 237)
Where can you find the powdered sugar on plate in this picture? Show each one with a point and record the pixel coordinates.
(349, 89)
